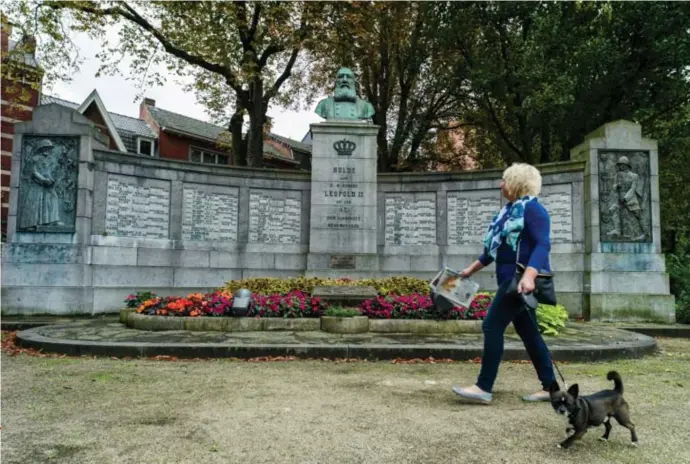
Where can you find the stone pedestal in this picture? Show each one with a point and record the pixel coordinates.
(624, 275)
(343, 219)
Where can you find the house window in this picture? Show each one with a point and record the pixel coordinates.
(145, 147)
(200, 155)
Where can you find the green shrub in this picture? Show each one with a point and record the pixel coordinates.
(342, 312)
(679, 271)
(551, 319)
(136, 299)
(398, 285)
(683, 308)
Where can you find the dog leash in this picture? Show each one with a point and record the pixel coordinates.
(565, 384)
(534, 318)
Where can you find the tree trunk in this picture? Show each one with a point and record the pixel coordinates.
(257, 119)
(545, 143)
(239, 146)
(383, 162)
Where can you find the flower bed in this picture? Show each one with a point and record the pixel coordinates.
(397, 285)
(300, 304)
(290, 305)
(418, 306)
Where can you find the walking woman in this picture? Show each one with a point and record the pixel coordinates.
(524, 225)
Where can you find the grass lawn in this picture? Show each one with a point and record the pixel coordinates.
(84, 410)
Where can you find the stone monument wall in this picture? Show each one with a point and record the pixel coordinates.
(430, 220)
(125, 223)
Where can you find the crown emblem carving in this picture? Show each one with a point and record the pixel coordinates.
(344, 147)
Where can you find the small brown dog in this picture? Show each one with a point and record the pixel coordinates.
(592, 410)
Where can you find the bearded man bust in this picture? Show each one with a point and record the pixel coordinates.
(344, 105)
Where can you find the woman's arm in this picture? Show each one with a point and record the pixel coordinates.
(472, 268)
(484, 260)
(538, 226)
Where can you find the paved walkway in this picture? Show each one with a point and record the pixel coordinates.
(579, 342)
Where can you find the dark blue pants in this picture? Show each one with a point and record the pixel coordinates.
(504, 310)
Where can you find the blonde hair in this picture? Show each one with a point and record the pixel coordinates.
(522, 179)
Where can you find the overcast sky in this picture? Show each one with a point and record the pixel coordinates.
(120, 95)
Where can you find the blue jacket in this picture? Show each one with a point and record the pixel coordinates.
(535, 245)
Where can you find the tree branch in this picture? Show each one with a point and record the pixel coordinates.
(255, 21)
(270, 51)
(133, 16)
(500, 128)
(283, 77)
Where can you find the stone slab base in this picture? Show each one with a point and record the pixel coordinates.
(345, 325)
(629, 307)
(344, 295)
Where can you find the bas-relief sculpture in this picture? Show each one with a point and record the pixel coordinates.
(345, 105)
(48, 184)
(624, 203)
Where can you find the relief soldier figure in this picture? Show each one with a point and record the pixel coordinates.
(628, 191)
(41, 205)
(345, 104)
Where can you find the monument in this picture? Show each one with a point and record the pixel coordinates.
(88, 225)
(625, 207)
(344, 104)
(343, 218)
(624, 275)
(47, 193)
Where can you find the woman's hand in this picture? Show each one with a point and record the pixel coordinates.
(526, 284)
(466, 273)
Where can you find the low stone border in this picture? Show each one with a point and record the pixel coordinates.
(219, 324)
(428, 327)
(252, 324)
(336, 348)
(23, 325)
(670, 332)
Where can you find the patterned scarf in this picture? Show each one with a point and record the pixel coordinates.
(510, 229)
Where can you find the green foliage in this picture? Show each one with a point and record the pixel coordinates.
(136, 299)
(683, 308)
(672, 131)
(551, 319)
(679, 270)
(544, 74)
(342, 312)
(398, 285)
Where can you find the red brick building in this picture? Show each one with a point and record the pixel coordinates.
(155, 132)
(20, 86)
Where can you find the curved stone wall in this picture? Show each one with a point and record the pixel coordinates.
(176, 227)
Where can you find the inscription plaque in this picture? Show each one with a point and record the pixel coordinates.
(410, 219)
(48, 184)
(209, 215)
(469, 215)
(558, 201)
(137, 207)
(342, 262)
(625, 213)
(342, 197)
(275, 216)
